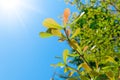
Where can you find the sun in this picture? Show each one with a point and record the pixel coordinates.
(10, 5)
(15, 11)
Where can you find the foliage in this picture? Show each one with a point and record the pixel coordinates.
(93, 35)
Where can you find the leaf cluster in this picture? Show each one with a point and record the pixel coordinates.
(94, 37)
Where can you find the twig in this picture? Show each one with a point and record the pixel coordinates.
(115, 6)
(82, 56)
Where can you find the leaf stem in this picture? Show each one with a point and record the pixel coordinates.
(81, 55)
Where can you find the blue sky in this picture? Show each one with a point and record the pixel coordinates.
(23, 54)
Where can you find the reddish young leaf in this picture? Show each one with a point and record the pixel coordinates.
(66, 15)
(85, 48)
(68, 32)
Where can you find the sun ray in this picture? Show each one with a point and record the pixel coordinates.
(20, 19)
(15, 13)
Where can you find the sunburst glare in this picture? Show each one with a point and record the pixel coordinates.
(10, 5)
(14, 10)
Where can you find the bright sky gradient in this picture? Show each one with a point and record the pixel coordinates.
(23, 54)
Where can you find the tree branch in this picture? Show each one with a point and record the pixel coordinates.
(82, 56)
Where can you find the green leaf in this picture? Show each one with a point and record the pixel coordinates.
(110, 59)
(56, 32)
(65, 55)
(85, 66)
(62, 39)
(45, 34)
(71, 73)
(74, 44)
(84, 78)
(66, 69)
(73, 55)
(110, 75)
(76, 33)
(102, 77)
(108, 67)
(59, 64)
(50, 23)
(72, 79)
(94, 73)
